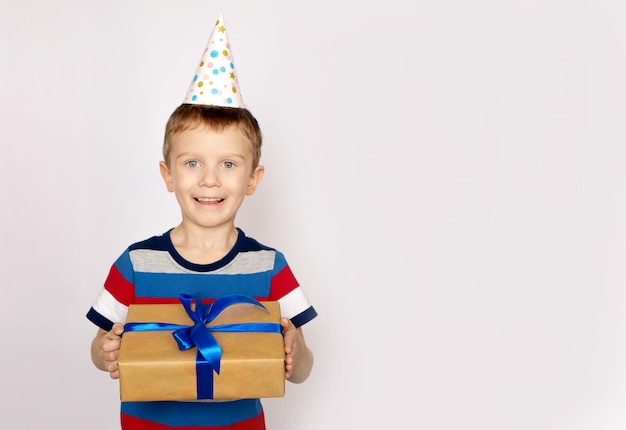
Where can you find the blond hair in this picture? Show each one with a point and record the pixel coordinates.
(218, 118)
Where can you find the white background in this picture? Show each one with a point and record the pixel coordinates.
(446, 179)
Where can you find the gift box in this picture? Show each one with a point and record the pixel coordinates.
(161, 353)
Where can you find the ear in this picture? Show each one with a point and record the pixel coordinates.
(167, 176)
(254, 180)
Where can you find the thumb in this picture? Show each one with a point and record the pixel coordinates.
(286, 324)
(118, 329)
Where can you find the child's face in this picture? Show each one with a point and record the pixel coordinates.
(210, 174)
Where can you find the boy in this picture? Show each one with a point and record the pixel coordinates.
(211, 155)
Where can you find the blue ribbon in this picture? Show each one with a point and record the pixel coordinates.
(199, 334)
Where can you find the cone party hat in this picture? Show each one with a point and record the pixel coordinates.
(215, 82)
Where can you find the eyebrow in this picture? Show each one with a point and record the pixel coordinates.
(193, 154)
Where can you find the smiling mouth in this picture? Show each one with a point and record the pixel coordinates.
(209, 199)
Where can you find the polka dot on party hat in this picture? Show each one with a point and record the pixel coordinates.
(215, 82)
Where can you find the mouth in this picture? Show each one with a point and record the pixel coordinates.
(208, 199)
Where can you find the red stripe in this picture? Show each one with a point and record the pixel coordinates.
(157, 300)
(164, 300)
(119, 287)
(134, 423)
(283, 283)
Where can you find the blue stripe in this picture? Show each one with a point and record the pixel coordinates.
(304, 317)
(202, 285)
(279, 262)
(99, 320)
(125, 267)
(194, 413)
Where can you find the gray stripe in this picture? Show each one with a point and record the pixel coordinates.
(151, 261)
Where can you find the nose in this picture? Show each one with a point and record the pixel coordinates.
(209, 178)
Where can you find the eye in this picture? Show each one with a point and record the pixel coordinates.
(228, 164)
(192, 163)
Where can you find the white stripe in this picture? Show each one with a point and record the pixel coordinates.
(107, 306)
(294, 303)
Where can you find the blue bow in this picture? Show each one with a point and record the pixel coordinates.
(200, 334)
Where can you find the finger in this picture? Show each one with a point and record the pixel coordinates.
(111, 364)
(288, 344)
(288, 369)
(111, 346)
(112, 337)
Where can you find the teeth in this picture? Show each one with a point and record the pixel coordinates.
(208, 199)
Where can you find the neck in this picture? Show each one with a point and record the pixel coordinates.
(203, 246)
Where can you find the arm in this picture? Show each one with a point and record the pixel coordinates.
(105, 348)
(298, 357)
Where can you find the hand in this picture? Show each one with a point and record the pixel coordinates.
(108, 350)
(289, 338)
(298, 357)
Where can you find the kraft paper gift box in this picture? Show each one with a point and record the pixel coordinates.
(153, 367)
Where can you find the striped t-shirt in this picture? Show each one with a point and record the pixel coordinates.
(152, 271)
